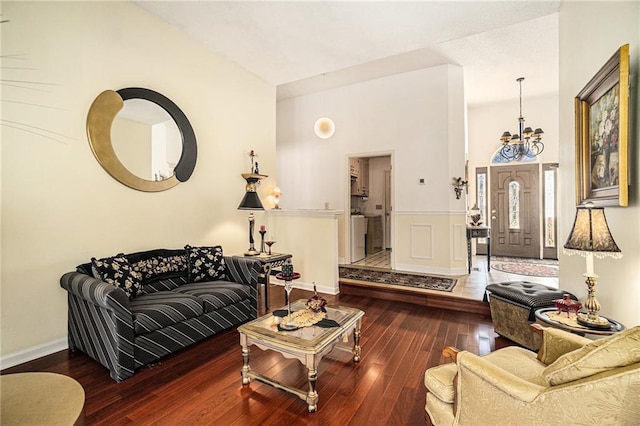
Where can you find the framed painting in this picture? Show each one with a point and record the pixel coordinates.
(602, 123)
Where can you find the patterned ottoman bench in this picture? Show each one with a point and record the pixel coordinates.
(513, 305)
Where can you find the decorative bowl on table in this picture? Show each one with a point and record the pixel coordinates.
(316, 303)
(476, 220)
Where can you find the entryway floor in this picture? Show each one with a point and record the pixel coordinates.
(470, 286)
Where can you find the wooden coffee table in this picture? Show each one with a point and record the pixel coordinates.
(308, 345)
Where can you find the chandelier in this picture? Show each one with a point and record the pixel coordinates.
(527, 143)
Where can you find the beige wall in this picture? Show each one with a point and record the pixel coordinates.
(132, 143)
(311, 236)
(59, 207)
(584, 48)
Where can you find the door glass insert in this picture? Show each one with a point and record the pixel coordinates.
(514, 205)
(482, 196)
(549, 208)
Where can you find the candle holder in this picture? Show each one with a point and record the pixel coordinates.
(288, 286)
(262, 249)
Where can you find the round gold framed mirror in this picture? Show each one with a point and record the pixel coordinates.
(141, 138)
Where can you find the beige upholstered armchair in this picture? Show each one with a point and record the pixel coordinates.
(572, 380)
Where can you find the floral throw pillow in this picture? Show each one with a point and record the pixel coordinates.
(205, 263)
(117, 271)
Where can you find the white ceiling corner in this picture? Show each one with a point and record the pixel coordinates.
(291, 44)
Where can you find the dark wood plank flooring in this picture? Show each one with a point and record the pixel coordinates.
(201, 384)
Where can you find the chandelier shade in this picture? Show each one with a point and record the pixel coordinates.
(526, 143)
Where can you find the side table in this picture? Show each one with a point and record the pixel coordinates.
(547, 316)
(479, 232)
(268, 262)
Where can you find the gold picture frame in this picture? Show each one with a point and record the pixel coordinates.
(602, 129)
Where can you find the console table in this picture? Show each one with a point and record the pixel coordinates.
(478, 232)
(269, 262)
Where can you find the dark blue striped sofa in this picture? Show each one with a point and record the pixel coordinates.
(168, 314)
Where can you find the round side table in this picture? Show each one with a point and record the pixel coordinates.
(571, 325)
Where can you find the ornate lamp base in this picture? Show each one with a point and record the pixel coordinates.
(592, 319)
(596, 322)
(251, 252)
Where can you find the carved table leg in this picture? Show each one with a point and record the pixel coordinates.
(245, 364)
(356, 342)
(312, 396)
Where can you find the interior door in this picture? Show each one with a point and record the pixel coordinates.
(515, 227)
(387, 209)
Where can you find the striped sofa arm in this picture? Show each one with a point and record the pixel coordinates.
(100, 323)
(245, 271)
(95, 291)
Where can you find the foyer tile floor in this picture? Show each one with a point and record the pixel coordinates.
(469, 286)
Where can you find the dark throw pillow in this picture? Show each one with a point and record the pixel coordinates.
(158, 264)
(117, 271)
(205, 263)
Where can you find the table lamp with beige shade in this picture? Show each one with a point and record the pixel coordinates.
(590, 236)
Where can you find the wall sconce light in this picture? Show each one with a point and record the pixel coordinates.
(458, 185)
(276, 197)
(324, 127)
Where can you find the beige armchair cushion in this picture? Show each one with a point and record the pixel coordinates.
(618, 350)
(439, 380)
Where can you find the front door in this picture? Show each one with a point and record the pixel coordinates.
(515, 227)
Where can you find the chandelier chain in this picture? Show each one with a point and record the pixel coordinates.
(527, 143)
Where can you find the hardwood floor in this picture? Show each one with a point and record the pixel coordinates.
(201, 384)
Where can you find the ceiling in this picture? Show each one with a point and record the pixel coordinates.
(307, 46)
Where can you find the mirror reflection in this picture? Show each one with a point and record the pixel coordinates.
(146, 139)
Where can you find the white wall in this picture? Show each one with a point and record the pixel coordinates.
(488, 122)
(584, 48)
(417, 116)
(59, 207)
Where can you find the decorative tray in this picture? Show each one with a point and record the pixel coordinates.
(304, 318)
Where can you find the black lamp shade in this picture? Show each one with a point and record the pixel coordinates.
(251, 201)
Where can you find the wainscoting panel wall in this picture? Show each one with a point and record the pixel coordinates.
(421, 241)
(430, 242)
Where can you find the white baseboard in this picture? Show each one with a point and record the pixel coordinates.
(34, 352)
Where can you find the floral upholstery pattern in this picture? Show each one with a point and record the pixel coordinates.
(117, 271)
(618, 350)
(557, 343)
(508, 387)
(205, 263)
(160, 266)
